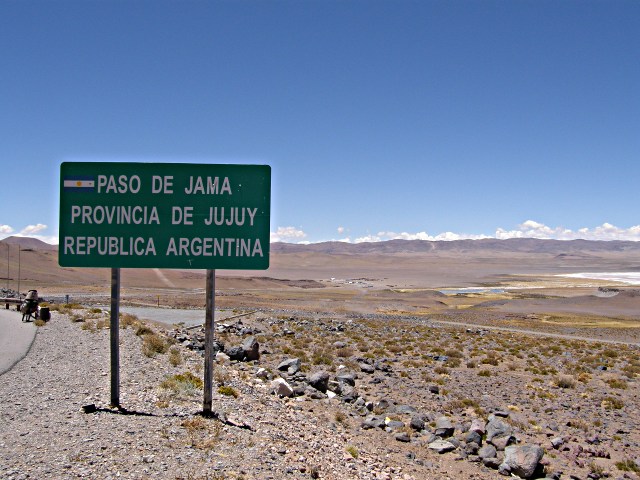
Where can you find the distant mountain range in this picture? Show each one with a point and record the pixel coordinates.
(512, 245)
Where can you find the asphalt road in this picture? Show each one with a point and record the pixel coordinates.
(16, 338)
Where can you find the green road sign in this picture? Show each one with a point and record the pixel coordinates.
(164, 215)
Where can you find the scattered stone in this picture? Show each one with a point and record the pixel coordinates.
(593, 440)
(382, 366)
(472, 448)
(236, 353)
(442, 446)
(320, 381)
(346, 377)
(403, 437)
(444, 427)
(291, 366)
(280, 387)
(522, 460)
(315, 394)
(488, 451)
(406, 409)
(383, 404)
(222, 358)
(366, 368)
(251, 349)
(478, 425)
(349, 394)
(499, 433)
(492, 462)
(473, 437)
(417, 422)
(373, 421)
(393, 425)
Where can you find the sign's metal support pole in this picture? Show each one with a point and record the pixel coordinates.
(115, 337)
(208, 342)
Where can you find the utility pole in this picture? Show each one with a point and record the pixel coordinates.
(19, 298)
(7, 269)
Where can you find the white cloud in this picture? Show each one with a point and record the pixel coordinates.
(340, 230)
(606, 231)
(5, 230)
(288, 234)
(445, 236)
(528, 229)
(31, 230)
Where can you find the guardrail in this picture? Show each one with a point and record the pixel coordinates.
(7, 301)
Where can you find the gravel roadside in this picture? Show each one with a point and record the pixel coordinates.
(44, 432)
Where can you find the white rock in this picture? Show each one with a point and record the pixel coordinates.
(222, 357)
(281, 388)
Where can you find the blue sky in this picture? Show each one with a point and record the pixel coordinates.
(380, 119)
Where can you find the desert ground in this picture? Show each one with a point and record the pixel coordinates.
(482, 351)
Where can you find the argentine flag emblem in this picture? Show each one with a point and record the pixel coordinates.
(79, 184)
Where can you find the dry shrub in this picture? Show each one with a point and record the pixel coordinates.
(182, 383)
(65, 308)
(584, 377)
(103, 323)
(322, 358)
(453, 362)
(564, 382)
(228, 391)
(395, 348)
(153, 344)
(628, 465)
(221, 376)
(341, 418)
(345, 352)
(127, 320)
(353, 451)
(612, 403)
(195, 424)
(175, 358)
(203, 434)
(90, 326)
(453, 353)
(631, 370)
(144, 330)
(617, 383)
(490, 360)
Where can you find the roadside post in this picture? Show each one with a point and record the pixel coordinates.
(164, 215)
